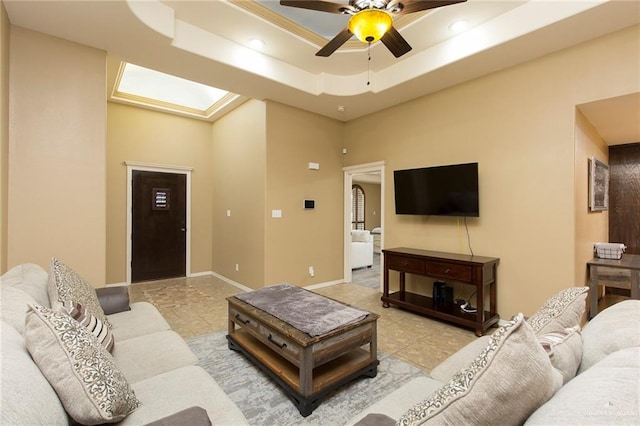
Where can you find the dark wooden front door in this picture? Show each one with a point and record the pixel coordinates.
(159, 211)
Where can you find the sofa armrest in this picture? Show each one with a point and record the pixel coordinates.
(192, 416)
(444, 371)
(113, 299)
(376, 419)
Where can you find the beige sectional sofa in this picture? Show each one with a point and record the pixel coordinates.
(156, 362)
(540, 371)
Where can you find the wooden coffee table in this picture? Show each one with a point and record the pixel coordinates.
(308, 368)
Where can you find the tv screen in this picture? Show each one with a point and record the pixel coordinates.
(440, 191)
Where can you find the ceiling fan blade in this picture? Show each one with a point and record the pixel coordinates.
(410, 6)
(335, 43)
(395, 42)
(322, 6)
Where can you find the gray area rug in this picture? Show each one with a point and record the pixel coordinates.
(263, 402)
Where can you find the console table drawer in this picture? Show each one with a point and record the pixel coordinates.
(406, 264)
(460, 273)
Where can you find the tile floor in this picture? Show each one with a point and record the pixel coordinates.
(197, 306)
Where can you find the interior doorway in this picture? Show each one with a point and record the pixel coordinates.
(367, 176)
(158, 222)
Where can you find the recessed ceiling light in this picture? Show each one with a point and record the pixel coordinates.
(459, 25)
(256, 43)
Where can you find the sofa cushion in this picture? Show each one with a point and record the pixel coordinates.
(65, 286)
(30, 278)
(563, 310)
(27, 397)
(402, 399)
(176, 390)
(146, 356)
(142, 319)
(510, 378)
(612, 329)
(564, 349)
(14, 304)
(83, 373)
(606, 394)
(94, 325)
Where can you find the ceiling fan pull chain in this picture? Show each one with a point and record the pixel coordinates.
(369, 64)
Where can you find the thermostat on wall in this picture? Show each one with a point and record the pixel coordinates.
(309, 204)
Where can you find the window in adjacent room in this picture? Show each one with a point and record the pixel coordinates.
(357, 207)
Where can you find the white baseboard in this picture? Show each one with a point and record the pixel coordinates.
(237, 284)
(230, 281)
(325, 284)
(201, 274)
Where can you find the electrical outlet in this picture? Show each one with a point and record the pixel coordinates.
(237, 267)
(311, 271)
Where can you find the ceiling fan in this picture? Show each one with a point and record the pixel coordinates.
(371, 20)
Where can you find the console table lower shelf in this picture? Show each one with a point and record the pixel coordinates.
(451, 313)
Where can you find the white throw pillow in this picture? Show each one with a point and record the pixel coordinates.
(507, 382)
(83, 373)
(66, 287)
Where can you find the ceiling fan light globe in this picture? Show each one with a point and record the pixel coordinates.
(370, 25)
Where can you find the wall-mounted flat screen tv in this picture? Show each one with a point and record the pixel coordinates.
(440, 191)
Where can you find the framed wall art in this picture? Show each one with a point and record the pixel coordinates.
(598, 185)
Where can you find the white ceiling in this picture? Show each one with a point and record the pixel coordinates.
(208, 42)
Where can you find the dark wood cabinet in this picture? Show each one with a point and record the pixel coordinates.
(478, 271)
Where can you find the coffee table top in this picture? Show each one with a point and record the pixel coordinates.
(300, 337)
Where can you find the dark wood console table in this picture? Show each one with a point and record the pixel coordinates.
(474, 270)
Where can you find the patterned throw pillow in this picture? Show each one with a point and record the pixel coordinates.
(83, 373)
(65, 286)
(564, 349)
(563, 310)
(93, 324)
(507, 382)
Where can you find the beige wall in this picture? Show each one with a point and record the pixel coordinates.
(140, 135)
(239, 173)
(591, 227)
(303, 238)
(519, 124)
(4, 134)
(57, 154)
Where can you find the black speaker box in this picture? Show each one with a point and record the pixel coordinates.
(438, 287)
(447, 295)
